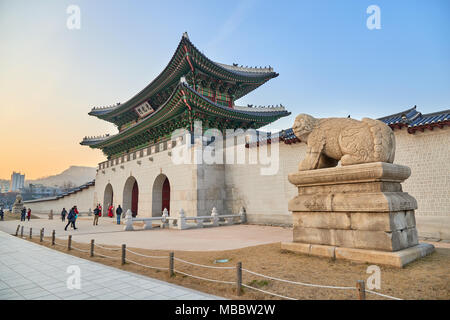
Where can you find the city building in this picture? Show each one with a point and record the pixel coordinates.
(17, 181)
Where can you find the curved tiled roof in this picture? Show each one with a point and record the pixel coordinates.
(415, 120)
(251, 78)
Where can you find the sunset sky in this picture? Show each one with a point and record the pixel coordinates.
(330, 63)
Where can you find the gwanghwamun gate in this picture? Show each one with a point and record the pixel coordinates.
(169, 152)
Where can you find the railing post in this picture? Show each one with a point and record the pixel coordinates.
(17, 230)
(124, 249)
(238, 278)
(21, 232)
(361, 287)
(69, 242)
(171, 273)
(31, 233)
(41, 236)
(53, 237)
(92, 247)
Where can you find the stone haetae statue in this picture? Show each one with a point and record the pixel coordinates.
(348, 140)
(357, 211)
(18, 205)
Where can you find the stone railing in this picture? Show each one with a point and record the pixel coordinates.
(183, 222)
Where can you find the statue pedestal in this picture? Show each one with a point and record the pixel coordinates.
(357, 212)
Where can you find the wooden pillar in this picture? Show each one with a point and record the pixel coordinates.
(21, 232)
(53, 237)
(361, 287)
(31, 233)
(17, 230)
(238, 278)
(124, 249)
(92, 247)
(41, 236)
(171, 273)
(69, 243)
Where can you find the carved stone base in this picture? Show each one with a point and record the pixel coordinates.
(359, 206)
(396, 259)
(17, 209)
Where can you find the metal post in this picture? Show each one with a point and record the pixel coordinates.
(53, 238)
(171, 273)
(361, 287)
(21, 232)
(31, 233)
(69, 243)
(238, 278)
(41, 236)
(124, 248)
(17, 230)
(92, 247)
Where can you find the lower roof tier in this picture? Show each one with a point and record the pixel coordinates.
(182, 108)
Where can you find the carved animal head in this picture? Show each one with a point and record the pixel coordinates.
(303, 125)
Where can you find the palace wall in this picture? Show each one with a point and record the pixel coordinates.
(428, 155)
(83, 199)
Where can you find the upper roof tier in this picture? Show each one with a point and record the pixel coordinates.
(189, 62)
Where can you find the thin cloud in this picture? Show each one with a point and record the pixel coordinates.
(232, 23)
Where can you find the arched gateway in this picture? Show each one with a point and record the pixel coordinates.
(108, 197)
(160, 195)
(131, 196)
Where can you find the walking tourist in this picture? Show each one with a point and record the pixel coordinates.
(100, 208)
(29, 214)
(23, 214)
(111, 211)
(96, 213)
(63, 214)
(71, 217)
(118, 214)
(1, 214)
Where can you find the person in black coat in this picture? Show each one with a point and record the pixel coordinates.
(63, 214)
(96, 214)
(71, 218)
(23, 214)
(118, 214)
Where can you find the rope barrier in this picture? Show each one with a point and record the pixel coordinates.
(104, 256)
(58, 244)
(143, 255)
(201, 278)
(146, 266)
(382, 295)
(299, 283)
(81, 250)
(203, 266)
(267, 292)
(112, 249)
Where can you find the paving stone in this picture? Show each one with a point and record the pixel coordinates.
(39, 273)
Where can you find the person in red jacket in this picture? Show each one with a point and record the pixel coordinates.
(111, 211)
(100, 208)
(29, 214)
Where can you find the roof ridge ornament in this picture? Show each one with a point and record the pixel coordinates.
(185, 35)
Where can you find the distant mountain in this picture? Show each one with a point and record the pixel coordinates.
(74, 176)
